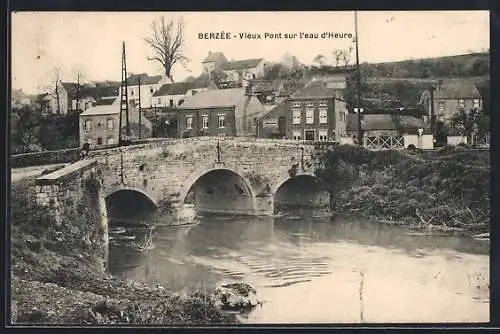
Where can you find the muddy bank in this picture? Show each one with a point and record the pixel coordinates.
(443, 190)
(56, 279)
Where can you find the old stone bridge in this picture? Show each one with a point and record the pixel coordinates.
(236, 175)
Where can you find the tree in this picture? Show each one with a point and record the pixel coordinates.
(167, 43)
(79, 77)
(56, 89)
(320, 60)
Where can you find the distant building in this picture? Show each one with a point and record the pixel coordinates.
(316, 113)
(449, 97)
(149, 85)
(239, 70)
(19, 98)
(99, 125)
(213, 62)
(332, 81)
(224, 112)
(172, 95)
(266, 90)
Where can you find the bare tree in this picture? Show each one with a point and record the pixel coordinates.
(167, 42)
(320, 60)
(79, 77)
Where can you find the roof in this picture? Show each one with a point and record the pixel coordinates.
(203, 81)
(105, 101)
(110, 109)
(114, 109)
(384, 122)
(241, 64)
(279, 109)
(214, 98)
(262, 86)
(213, 57)
(133, 80)
(457, 90)
(313, 90)
(178, 88)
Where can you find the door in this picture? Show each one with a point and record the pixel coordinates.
(282, 125)
(309, 135)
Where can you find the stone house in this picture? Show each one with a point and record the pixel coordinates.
(449, 97)
(239, 70)
(225, 112)
(273, 123)
(213, 62)
(266, 90)
(99, 125)
(316, 113)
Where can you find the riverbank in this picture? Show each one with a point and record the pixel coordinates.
(55, 280)
(442, 190)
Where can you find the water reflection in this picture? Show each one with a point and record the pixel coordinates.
(293, 257)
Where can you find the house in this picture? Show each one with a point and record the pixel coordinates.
(149, 85)
(316, 113)
(99, 125)
(273, 123)
(223, 112)
(238, 70)
(70, 96)
(449, 97)
(384, 125)
(213, 62)
(170, 95)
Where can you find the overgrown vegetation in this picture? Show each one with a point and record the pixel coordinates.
(55, 279)
(446, 189)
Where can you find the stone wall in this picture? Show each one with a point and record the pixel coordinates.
(73, 194)
(44, 158)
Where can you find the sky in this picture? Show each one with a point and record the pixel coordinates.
(90, 42)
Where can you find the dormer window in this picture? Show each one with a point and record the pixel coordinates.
(323, 103)
(310, 104)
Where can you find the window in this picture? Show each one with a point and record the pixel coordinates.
(476, 103)
(296, 135)
(461, 103)
(309, 116)
(310, 104)
(296, 116)
(159, 101)
(99, 141)
(171, 103)
(189, 122)
(181, 102)
(323, 103)
(323, 135)
(194, 91)
(222, 121)
(111, 141)
(132, 92)
(151, 90)
(88, 126)
(342, 116)
(441, 105)
(204, 121)
(323, 116)
(111, 124)
(296, 105)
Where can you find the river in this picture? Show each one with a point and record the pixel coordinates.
(315, 270)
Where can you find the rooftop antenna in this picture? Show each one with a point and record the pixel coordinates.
(124, 97)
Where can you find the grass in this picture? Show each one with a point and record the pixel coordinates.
(56, 280)
(447, 189)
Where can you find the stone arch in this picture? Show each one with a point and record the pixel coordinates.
(200, 172)
(137, 190)
(284, 178)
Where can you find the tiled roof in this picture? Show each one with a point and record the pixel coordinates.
(214, 98)
(280, 109)
(110, 109)
(133, 80)
(313, 90)
(457, 90)
(213, 57)
(178, 88)
(203, 81)
(241, 64)
(384, 122)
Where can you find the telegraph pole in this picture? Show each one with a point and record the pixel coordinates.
(358, 80)
(124, 97)
(139, 106)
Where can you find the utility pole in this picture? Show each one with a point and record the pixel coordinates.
(139, 106)
(124, 96)
(358, 80)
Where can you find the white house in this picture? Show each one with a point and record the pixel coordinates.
(173, 94)
(149, 85)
